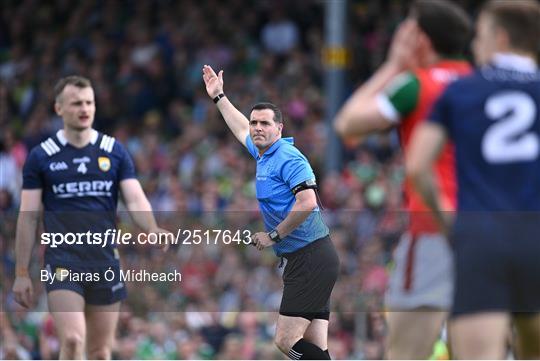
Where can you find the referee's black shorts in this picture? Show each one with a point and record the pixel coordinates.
(309, 277)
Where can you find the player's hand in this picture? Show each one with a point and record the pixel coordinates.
(213, 82)
(24, 291)
(446, 222)
(169, 238)
(402, 51)
(262, 240)
(447, 215)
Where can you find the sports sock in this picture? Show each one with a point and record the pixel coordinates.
(303, 350)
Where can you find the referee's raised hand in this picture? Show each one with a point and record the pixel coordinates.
(213, 82)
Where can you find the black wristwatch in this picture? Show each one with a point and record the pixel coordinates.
(274, 236)
(218, 98)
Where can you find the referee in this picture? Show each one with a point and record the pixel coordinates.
(286, 193)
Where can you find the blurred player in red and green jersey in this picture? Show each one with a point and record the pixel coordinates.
(493, 119)
(425, 56)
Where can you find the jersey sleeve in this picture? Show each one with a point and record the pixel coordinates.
(400, 97)
(252, 149)
(295, 170)
(126, 169)
(32, 175)
(440, 112)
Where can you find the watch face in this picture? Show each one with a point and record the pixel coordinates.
(274, 236)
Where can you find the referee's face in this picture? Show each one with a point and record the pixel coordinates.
(264, 131)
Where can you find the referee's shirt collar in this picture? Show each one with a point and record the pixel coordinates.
(275, 146)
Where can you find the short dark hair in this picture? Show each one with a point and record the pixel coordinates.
(75, 80)
(278, 116)
(520, 19)
(446, 24)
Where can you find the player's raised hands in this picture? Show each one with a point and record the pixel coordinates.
(23, 291)
(213, 82)
(403, 50)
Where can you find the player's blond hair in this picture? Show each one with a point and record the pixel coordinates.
(75, 80)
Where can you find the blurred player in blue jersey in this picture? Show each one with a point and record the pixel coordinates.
(75, 177)
(493, 117)
(425, 56)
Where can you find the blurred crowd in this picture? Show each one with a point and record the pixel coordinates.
(144, 59)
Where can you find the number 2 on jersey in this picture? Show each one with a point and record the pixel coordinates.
(509, 139)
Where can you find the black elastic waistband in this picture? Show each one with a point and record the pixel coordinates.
(312, 245)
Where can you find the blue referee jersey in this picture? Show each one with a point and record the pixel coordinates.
(281, 168)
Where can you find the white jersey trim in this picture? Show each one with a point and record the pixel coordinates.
(50, 147)
(107, 143)
(516, 62)
(387, 109)
(62, 137)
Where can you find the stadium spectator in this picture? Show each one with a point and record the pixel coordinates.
(279, 35)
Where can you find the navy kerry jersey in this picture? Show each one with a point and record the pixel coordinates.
(493, 117)
(80, 191)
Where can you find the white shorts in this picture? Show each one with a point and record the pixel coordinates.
(423, 275)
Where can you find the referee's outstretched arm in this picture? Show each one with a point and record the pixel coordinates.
(236, 121)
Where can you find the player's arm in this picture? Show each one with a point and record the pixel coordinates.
(27, 224)
(236, 121)
(361, 115)
(363, 112)
(298, 176)
(305, 203)
(138, 206)
(425, 147)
